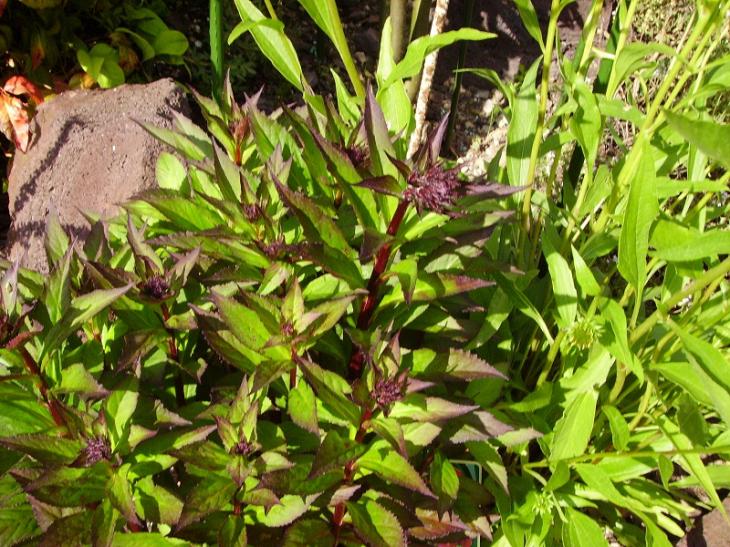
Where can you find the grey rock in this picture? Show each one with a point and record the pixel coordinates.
(88, 154)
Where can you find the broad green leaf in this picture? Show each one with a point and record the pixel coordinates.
(521, 133)
(566, 297)
(77, 379)
(573, 430)
(56, 241)
(147, 539)
(334, 453)
(121, 497)
(302, 406)
(309, 533)
(242, 321)
(584, 275)
(443, 477)
(710, 137)
(170, 172)
(419, 408)
(582, 531)
(709, 358)
(209, 495)
(118, 409)
(392, 467)
(287, 511)
(82, 309)
(675, 242)
(375, 524)
(488, 457)
(641, 211)
(586, 123)
(619, 428)
(47, 449)
(619, 345)
(170, 42)
(274, 44)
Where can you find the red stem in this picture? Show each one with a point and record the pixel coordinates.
(376, 279)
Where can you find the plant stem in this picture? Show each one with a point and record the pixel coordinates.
(381, 261)
(216, 46)
(540, 126)
(398, 24)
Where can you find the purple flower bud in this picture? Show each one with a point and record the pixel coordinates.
(242, 448)
(387, 391)
(434, 190)
(156, 287)
(97, 449)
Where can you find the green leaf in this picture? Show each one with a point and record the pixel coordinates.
(419, 49)
(147, 539)
(376, 525)
(244, 26)
(522, 128)
(584, 275)
(582, 531)
(710, 137)
(77, 379)
(56, 241)
(334, 453)
(392, 467)
(641, 210)
(619, 428)
(566, 297)
(586, 123)
(209, 495)
(120, 495)
(303, 407)
(170, 42)
(619, 344)
(286, 512)
(675, 242)
(316, 223)
(170, 171)
(274, 44)
(573, 430)
(81, 310)
(118, 409)
(444, 480)
(523, 303)
(309, 533)
(709, 358)
(529, 19)
(419, 408)
(47, 449)
(242, 321)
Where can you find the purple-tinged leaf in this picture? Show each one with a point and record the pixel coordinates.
(150, 263)
(377, 132)
(432, 527)
(440, 285)
(384, 184)
(302, 407)
(416, 407)
(120, 495)
(316, 223)
(492, 190)
(47, 449)
(467, 366)
(477, 426)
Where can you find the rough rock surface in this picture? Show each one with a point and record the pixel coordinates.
(710, 531)
(88, 154)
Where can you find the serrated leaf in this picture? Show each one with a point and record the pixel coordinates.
(47, 449)
(334, 453)
(209, 495)
(302, 407)
(392, 467)
(375, 525)
(467, 366)
(582, 531)
(77, 379)
(444, 480)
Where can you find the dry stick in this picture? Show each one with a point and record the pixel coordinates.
(429, 68)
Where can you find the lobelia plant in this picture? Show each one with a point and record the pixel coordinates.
(271, 347)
